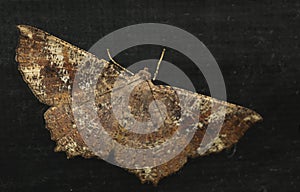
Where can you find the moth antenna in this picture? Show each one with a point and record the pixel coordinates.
(158, 64)
(131, 73)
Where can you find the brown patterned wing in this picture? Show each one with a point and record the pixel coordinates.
(48, 65)
(237, 120)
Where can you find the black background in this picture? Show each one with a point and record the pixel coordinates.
(256, 45)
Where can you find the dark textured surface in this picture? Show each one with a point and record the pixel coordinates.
(256, 46)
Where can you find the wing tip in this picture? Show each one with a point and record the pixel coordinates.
(25, 30)
(20, 26)
(254, 117)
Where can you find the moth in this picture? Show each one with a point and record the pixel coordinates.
(48, 65)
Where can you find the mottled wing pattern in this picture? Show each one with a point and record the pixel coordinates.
(237, 120)
(48, 65)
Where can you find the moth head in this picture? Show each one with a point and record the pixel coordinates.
(144, 74)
